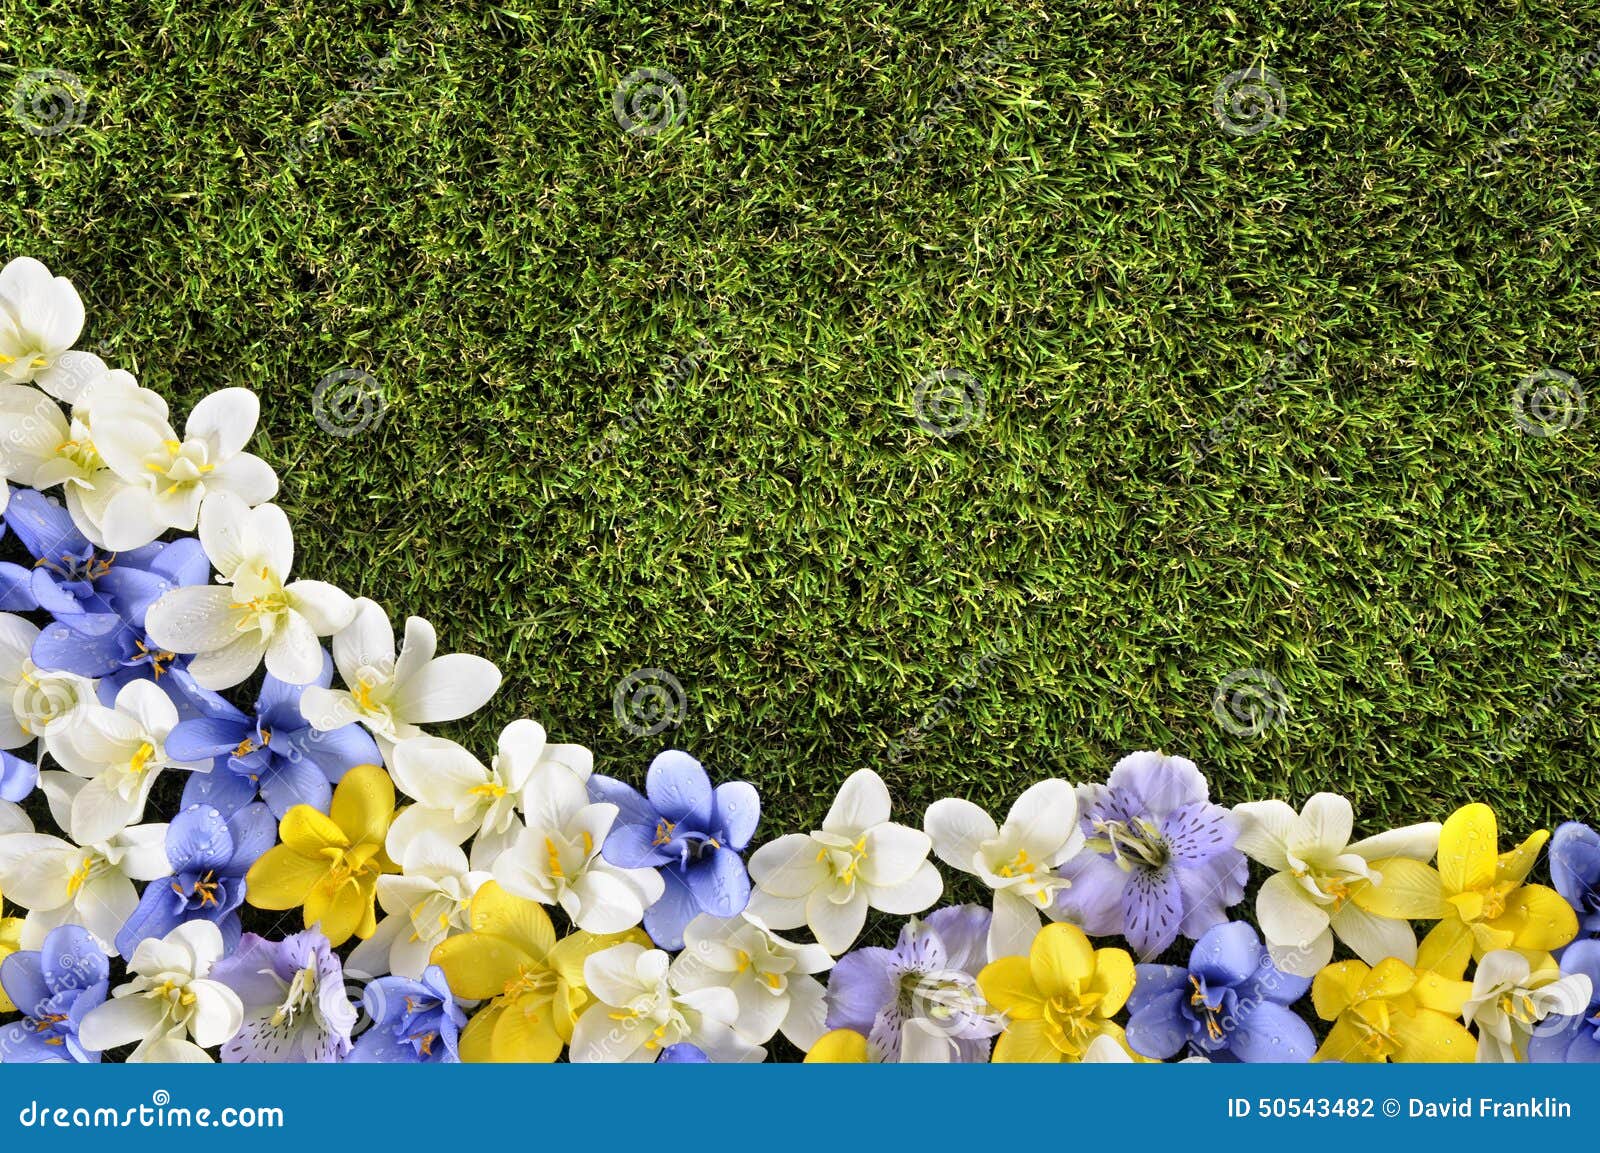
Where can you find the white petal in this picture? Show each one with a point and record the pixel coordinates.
(863, 802)
(418, 649)
(218, 1012)
(225, 667)
(788, 867)
(131, 519)
(437, 772)
(1325, 824)
(366, 642)
(225, 420)
(1418, 842)
(121, 1021)
(1374, 938)
(836, 927)
(957, 828)
(325, 607)
(447, 689)
(1044, 819)
(1289, 918)
(893, 854)
(193, 619)
(913, 895)
(1013, 927)
(1264, 831)
(294, 655)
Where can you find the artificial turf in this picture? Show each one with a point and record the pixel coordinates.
(650, 399)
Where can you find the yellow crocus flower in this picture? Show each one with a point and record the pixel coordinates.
(330, 863)
(839, 1047)
(1396, 1012)
(10, 942)
(533, 983)
(1058, 998)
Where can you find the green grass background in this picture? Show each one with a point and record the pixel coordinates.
(261, 194)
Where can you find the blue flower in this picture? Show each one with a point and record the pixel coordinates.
(683, 1053)
(1230, 1002)
(54, 988)
(209, 854)
(413, 1022)
(17, 778)
(1575, 869)
(106, 648)
(275, 752)
(1574, 1039)
(691, 832)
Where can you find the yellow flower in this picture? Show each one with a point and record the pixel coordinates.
(1059, 998)
(1393, 1012)
(10, 942)
(839, 1047)
(536, 982)
(331, 863)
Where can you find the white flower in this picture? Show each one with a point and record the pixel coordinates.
(457, 797)
(556, 859)
(426, 903)
(641, 1008)
(119, 752)
(34, 702)
(768, 975)
(1509, 998)
(1017, 860)
(60, 883)
(165, 479)
(41, 318)
(827, 879)
(1324, 885)
(392, 695)
(257, 611)
(168, 1001)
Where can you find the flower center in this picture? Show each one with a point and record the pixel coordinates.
(664, 829)
(1199, 1000)
(157, 659)
(1136, 844)
(300, 996)
(1069, 1022)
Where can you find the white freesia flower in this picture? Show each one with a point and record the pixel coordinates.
(1017, 860)
(1510, 997)
(165, 479)
(641, 1008)
(60, 883)
(770, 977)
(428, 901)
(168, 1001)
(257, 611)
(119, 752)
(556, 859)
(41, 317)
(859, 859)
(393, 695)
(13, 819)
(34, 702)
(1324, 885)
(457, 797)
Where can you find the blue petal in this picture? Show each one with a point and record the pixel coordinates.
(738, 812)
(156, 915)
(42, 525)
(16, 588)
(282, 700)
(17, 778)
(206, 737)
(633, 809)
(254, 831)
(679, 789)
(224, 791)
(683, 1053)
(859, 986)
(719, 883)
(85, 651)
(70, 959)
(1266, 1031)
(632, 846)
(336, 751)
(22, 1046)
(963, 930)
(183, 562)
(1227, 955)
(198, 840)
(379, 1046)
(22, 977)
(1155, 981)
(665, 920)
(133, 591)
(289, 783)
(1152, 910)
(1160, 1029)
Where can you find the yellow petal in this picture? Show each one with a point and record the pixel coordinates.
(526, 1033)
(363, 804)
(476, 1044)
(839, 1047)
(1025, 1043)
(575, 948)
(1390, 977)
(1514, 866)
(10, 942)
(1468, 848)
(309, 832)
(1061, 959)
(1428, 1037)
(1113, 979)
(479, 966)
(1007, 984)
(1538, 918)
(282, 879)
(1440, 994)
(518, 920)
(337, 909)
(1446, 949)
(1409, 891)
(1336, 987)
(1344, 1043)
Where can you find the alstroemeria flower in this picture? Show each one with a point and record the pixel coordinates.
(533, 983)
(394, 695)
(53, 987)
(920, 1001)
(34, 702)
(1230, 1000)
(165, 478)
(169, 1000)
(41, 317)
(119, 753)
(413, 1022)
(859, 859)
(1575, 872)
(295, 1006)
(1058, 998)
(209, 854)
(1017, 860)
(424, 903)
(458, 797)
(692, 833)
(330, 863)
(275, 752)
(1574, 1037)
(770, 976)
(1324, 885)
(1510, 998)
(556, 859)
(1396, 1012)
(640, 1009)
(256, 611)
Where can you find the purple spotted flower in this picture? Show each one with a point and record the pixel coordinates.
(295, 1005)
(1159, 860)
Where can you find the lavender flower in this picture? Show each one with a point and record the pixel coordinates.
(295, 1007)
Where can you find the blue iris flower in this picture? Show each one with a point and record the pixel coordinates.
(1230, 1003)
(209, 854)
(413, 1022)
(275, 751)
(1575, 870)
(53, 987)
(692, 833)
